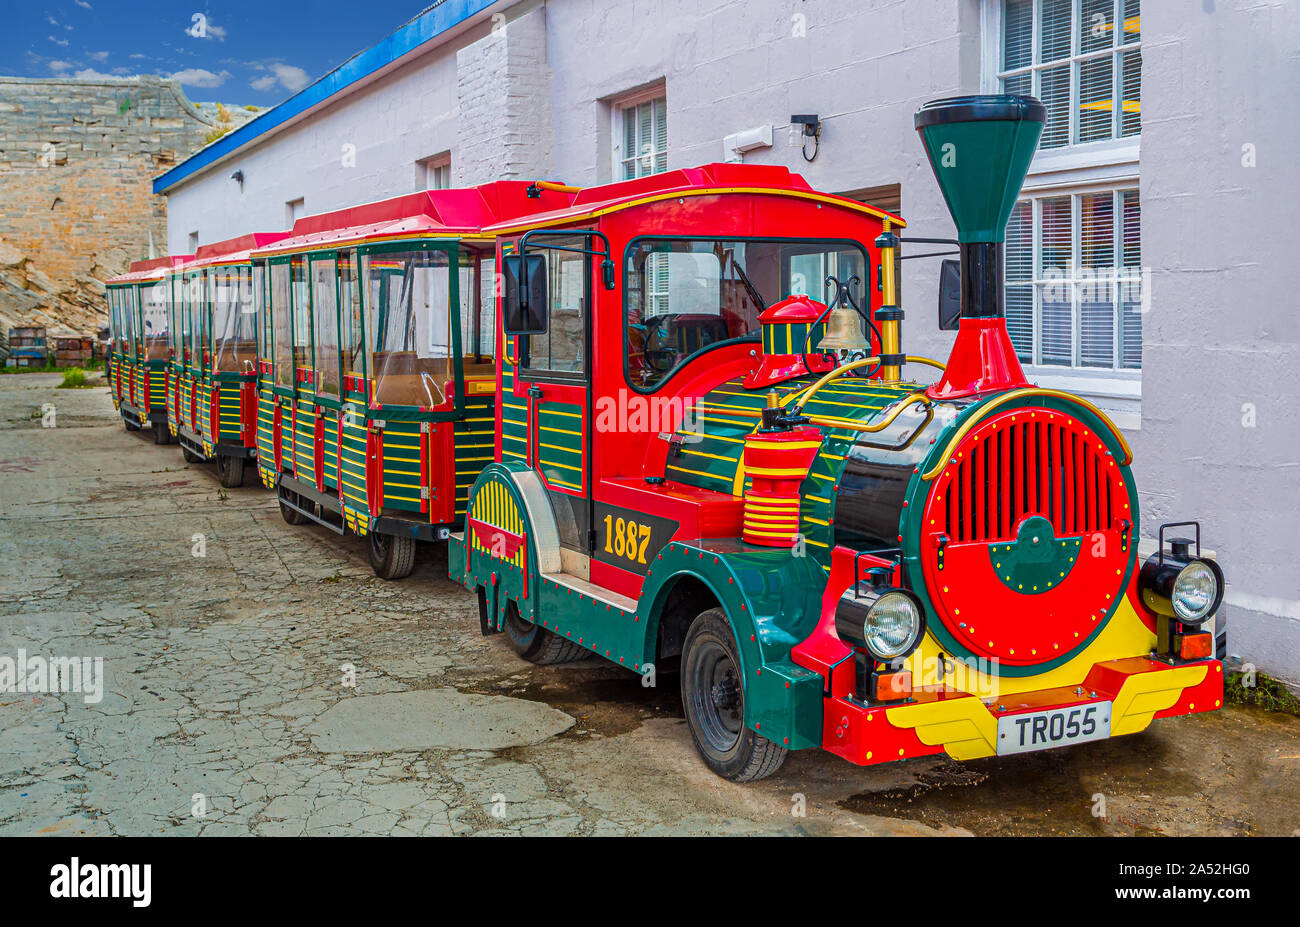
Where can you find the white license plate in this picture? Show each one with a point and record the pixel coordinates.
(1057, 727)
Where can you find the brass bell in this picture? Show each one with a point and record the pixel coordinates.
(844, 332)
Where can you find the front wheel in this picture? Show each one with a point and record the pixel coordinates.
(537, 644)
(160, 433)
(392, 556)
(713, 695)
(190, 456)
(230, 470)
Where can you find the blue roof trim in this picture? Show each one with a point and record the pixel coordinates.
(429, 24)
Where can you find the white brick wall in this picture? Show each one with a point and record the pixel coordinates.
(502, 94)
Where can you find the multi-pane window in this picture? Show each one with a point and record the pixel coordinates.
(1082, 59)
(1074, 283)
(433, 173)
(643, 141)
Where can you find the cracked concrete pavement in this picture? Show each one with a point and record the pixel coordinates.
(227, 706)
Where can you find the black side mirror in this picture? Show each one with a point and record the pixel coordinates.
(524, 304)
(949, 295)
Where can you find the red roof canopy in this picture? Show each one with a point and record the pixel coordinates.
(152, 269)
(464, 211)
(684, 182)
(233, 250)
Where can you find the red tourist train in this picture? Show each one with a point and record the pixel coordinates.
(701, 466)
(682, 435)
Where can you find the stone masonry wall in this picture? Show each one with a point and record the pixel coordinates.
(77, 158)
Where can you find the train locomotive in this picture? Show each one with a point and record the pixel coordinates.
(702, 467)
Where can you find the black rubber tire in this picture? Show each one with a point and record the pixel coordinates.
(190, 456)
(713, 695)
(230, 470)
(291, 516)
(537, 644)
(392, 556)
(129, 426)
(160, 433)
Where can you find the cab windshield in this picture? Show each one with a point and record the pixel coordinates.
(684, 296)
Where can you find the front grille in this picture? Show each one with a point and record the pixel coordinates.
(1029, 463)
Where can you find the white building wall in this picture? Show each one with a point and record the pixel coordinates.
(536, 98)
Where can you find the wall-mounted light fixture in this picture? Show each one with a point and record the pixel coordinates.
(238, 177)
(812, 128)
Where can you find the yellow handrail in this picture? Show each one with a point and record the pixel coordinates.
(838, 371)
(1002, 400)
(849, 424)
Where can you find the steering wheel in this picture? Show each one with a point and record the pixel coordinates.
(660, 359)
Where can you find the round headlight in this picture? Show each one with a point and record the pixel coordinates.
(892, 626)
(1195, 592)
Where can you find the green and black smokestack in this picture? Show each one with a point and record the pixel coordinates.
(980, 148)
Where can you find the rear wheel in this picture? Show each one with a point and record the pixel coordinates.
(537, 644)
(160, 433)
(129, 426)
(713, 695)
(230, 470)
(391, 556)
(291, 516)
(190, 456)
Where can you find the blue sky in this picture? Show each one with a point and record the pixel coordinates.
(234, 51)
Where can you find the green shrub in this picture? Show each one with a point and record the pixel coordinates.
(1267, 693)
(73, 378)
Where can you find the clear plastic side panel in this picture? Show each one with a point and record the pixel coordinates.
(301, 294)
(350, 303)
(154, 318)
(234, 318)
(409, 300)
(282, 334)
(325, 316)
(477, 313)
(129, 319)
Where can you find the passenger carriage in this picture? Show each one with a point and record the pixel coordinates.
(376, 377)
(213, 369)
(715, 457)
(138, 365)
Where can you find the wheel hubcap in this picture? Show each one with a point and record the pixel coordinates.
(718, 698)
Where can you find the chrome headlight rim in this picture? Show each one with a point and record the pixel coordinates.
(872, 636)
(854, 621)
(1159, 579)
(1198, 564)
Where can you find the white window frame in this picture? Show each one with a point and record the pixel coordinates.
(620, 107)
(433, 172)
(1072, 169)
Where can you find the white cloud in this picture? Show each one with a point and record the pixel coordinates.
(84, 5)
(288, 76)
(53, 21)
(62, 42)
(92, 74)
(136, 56)
(200, 77)
(201, 27)
(100, 56)
(61, 67)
